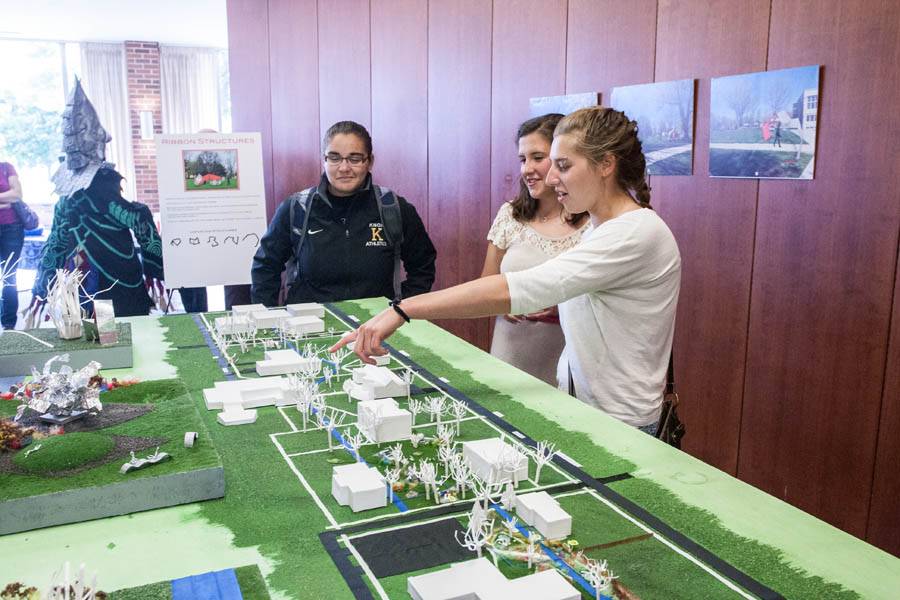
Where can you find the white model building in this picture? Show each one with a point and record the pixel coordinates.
(234, 414)
(232, 326)
(246, 309)
(542, 511)
(307, 309)
(383, 420)
(268, 319)
(302, 325)
(249, 393)
(282, 362)
(487, 459)
(371, 382)
(479, 579)
(358, 486)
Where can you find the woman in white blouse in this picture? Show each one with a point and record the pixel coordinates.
(617, 290)
(531, 229)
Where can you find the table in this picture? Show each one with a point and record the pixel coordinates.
(267, 519)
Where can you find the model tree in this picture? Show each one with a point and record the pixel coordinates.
(445, 455)
(542, 454)
(511, 461)
(391, 477)
(435, 405)
(486, 490)
(478, 532)
(512, 527)
(427, 474)
(407, 378)
(355, 442)
(461, 472)
(72, 590)
(395, 455)
(459, 410)
(415, 407)
(337, 418)
(305, 391)
(508, 499)
(444, 435)
(599, 576)
(532, 551)
(339, 356)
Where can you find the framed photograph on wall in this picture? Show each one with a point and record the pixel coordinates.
(763, 125)
(562, 104)
(664, 112)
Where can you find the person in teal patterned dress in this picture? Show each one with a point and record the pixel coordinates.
(93, 223)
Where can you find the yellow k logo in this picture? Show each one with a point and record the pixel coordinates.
(376, 234)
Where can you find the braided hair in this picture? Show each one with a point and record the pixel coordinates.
(599, 131)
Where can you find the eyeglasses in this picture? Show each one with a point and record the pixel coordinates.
(353, 159)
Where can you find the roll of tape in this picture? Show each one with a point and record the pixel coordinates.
(189, 438)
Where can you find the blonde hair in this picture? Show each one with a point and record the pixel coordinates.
(599, 131)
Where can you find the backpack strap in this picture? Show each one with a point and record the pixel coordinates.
(389, 211)
(5, 172)
(298, 235)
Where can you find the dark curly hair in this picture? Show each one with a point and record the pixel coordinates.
(524, 207)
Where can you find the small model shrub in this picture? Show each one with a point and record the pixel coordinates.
(146, 392)
(13, 436)
(62, 452)
(17, 591)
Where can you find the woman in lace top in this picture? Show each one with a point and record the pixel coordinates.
(528, 231)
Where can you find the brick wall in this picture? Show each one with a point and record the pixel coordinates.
(142, 63)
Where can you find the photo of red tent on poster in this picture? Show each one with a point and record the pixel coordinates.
(763, 125)
(208, 178)
(210, 170)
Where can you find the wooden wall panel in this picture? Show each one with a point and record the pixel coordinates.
(459, 153)
(400, 98)
(529, 57)
(295, 107)
(713, 221)
(824, 271)
(884, 518)
(608, 44)
(345, 79)
(248, 64)
(793, 387)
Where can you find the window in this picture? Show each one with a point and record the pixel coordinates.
(812, 102)
(32, 97)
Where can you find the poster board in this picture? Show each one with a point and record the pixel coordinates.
(212, 206)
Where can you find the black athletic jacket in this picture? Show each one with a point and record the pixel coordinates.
(345, 254)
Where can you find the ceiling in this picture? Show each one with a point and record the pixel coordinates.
(174, 22)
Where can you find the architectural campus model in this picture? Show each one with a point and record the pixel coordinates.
(401, 441)
(413, 489)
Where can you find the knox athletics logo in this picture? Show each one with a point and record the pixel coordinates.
(376, 231)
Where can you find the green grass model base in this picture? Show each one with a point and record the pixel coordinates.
(18, 353)
(63, 452)
(76, 476)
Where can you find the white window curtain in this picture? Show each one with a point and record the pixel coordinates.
(103, 79)
(189, 78)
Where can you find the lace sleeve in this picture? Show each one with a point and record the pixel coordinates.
(504, 228)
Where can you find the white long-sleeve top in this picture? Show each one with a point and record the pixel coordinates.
(617, 292)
